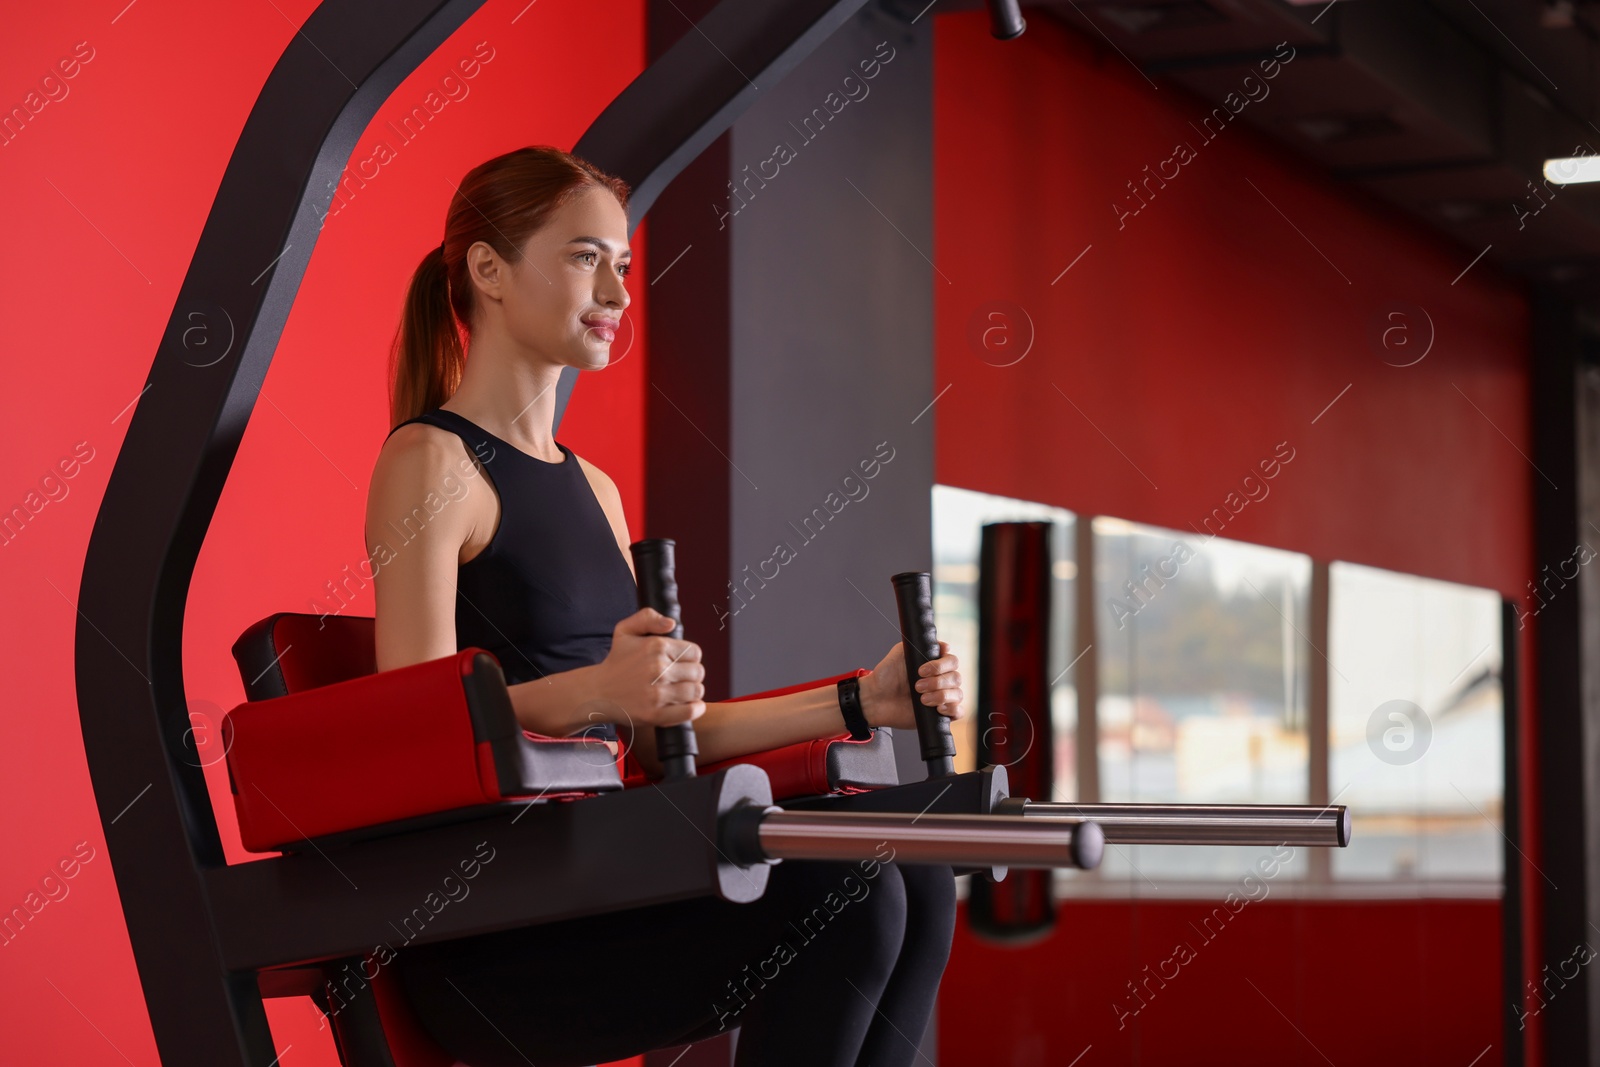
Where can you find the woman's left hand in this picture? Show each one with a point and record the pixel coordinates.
(886, 701)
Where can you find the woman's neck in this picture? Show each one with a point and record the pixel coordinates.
(515, 402)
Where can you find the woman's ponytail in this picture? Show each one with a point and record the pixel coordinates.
(426, 357)
(500, 202)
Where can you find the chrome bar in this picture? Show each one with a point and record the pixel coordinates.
(1198, 824)
(960, 840)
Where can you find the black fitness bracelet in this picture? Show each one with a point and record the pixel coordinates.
(850, 708)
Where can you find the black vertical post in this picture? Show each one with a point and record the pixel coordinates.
(1511, 808)
(1015, 581)
(1320, 860)
(1562, 848)
(1086, 675)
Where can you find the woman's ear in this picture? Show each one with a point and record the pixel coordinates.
(486, 269)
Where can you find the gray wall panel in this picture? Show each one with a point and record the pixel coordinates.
(793, 338)
(832, 309)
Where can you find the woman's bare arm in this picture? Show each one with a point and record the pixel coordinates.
(737, 728)
(427, 485)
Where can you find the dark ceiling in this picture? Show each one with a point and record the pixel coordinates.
(1446, 108)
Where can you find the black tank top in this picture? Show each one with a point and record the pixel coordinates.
(544, 594)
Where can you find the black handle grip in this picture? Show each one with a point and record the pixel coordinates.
(913, 594)
(1005, 19)
(655, 565)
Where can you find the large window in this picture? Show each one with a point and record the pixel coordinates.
(1221, 675)
(1416, 722)
(1203, 683)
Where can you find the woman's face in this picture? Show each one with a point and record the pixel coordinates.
(564, 300)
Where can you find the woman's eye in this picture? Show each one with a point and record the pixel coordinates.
(589, 255)
(625, 269)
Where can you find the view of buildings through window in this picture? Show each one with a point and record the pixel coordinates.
(1416, 715)
(1203, 683)
(1205, 666)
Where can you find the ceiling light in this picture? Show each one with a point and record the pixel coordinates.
(1572, 170)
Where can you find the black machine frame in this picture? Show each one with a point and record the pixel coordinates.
(209, 939)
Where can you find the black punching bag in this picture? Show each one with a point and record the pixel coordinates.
(1013, 719)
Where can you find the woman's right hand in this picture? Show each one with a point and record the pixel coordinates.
(649, 678)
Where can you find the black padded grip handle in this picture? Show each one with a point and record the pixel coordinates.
(1005, 19)
(656, 567)
(913, 594)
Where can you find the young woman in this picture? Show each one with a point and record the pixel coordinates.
(527, 556)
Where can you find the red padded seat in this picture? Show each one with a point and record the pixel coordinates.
(325, 749)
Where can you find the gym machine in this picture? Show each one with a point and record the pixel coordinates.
(426, 781)
(364, 780)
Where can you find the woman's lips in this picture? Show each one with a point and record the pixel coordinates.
(605, 328)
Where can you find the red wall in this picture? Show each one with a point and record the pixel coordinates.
(108, 189)
(1185, 344)
(1281, 982)
(1207, 330)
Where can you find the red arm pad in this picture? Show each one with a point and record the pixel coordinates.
(803, 686)
(799, 769)
(357, 753)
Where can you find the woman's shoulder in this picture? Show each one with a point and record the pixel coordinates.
(595, 474)
(417, 459)
(605, 490)
(414, 430)
(418, 466)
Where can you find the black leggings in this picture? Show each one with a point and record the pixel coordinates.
(837, 964)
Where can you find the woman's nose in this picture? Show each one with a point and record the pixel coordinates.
(613, 292)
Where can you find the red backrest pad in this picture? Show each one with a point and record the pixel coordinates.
(316, 651)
